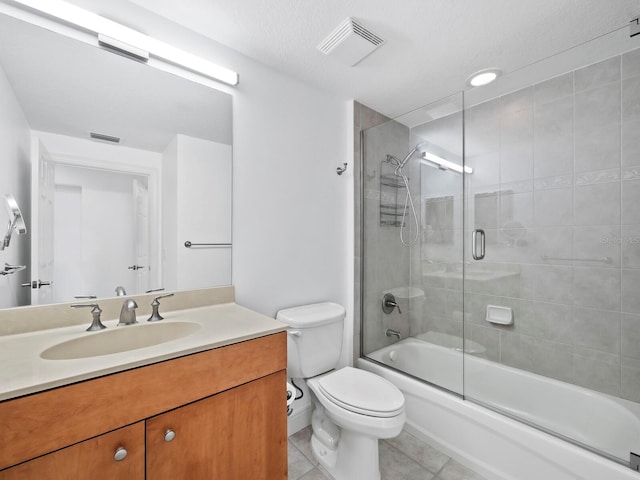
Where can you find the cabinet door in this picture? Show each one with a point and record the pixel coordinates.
(237, 434)
(89, 460)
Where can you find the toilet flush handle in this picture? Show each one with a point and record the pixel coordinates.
(294, 333)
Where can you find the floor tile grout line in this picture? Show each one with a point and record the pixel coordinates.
(313, 465)
(442, 468)
(313, 461)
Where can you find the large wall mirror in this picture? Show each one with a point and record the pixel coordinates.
(102, 215)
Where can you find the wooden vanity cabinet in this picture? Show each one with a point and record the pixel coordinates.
(226, 409)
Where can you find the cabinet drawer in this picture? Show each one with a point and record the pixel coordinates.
(89, 460)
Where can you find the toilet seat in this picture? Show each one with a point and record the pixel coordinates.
(362, 392)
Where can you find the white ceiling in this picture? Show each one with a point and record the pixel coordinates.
(432, 46)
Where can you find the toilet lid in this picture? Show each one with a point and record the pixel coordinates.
(362, 392)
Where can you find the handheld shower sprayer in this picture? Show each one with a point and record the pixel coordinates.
(401, 164)
(429, 155)
(408, 201)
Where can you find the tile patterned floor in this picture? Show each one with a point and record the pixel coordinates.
(402, 458)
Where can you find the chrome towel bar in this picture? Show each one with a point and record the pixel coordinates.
(189, 244)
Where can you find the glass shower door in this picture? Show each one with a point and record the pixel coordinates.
(413, 244)
(552, 317)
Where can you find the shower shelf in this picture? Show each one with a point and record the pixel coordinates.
(392, 193)
(391, 181)
(390, 209)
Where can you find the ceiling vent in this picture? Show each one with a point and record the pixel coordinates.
(101, 137)
(350, 42)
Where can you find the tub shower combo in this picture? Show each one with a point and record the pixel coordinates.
(500, 272)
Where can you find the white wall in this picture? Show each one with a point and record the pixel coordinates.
(14, 178)
(170, 214)
(196, 194)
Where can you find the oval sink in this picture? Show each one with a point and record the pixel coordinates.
(120, 339)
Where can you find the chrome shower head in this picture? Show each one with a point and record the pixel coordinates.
(415, 149)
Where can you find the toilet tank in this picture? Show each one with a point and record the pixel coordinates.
(314, 338)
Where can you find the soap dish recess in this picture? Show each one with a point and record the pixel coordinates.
(499, 315)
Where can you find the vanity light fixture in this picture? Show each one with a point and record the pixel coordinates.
(130, 41)
(430, 159)
(483, 77)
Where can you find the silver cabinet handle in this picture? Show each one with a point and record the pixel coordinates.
(169, 435)
(121, 454)
(477, 234)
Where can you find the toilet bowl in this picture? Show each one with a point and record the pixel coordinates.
(352, 408)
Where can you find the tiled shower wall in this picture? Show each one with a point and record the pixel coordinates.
(556, 187)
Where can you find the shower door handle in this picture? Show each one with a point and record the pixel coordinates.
(477, 240)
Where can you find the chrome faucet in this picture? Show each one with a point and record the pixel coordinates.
(392, 333)
(128, 312)
(120, 291)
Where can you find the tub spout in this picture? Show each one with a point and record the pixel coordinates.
(392, 333)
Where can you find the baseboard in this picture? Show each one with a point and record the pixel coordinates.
(299, 419)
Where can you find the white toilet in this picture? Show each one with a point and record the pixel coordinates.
(352, 408)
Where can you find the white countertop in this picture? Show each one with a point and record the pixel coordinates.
(23, 371)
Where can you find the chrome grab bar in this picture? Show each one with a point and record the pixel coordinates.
(599, 259)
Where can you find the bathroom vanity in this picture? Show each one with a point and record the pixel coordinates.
(215, 409)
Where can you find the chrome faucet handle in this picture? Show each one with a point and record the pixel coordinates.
(155, 315)
(128, 312)
(96, 324)
(389, 303)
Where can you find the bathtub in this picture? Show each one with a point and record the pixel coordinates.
(495, 445)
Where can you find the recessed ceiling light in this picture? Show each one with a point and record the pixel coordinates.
(483, 77)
